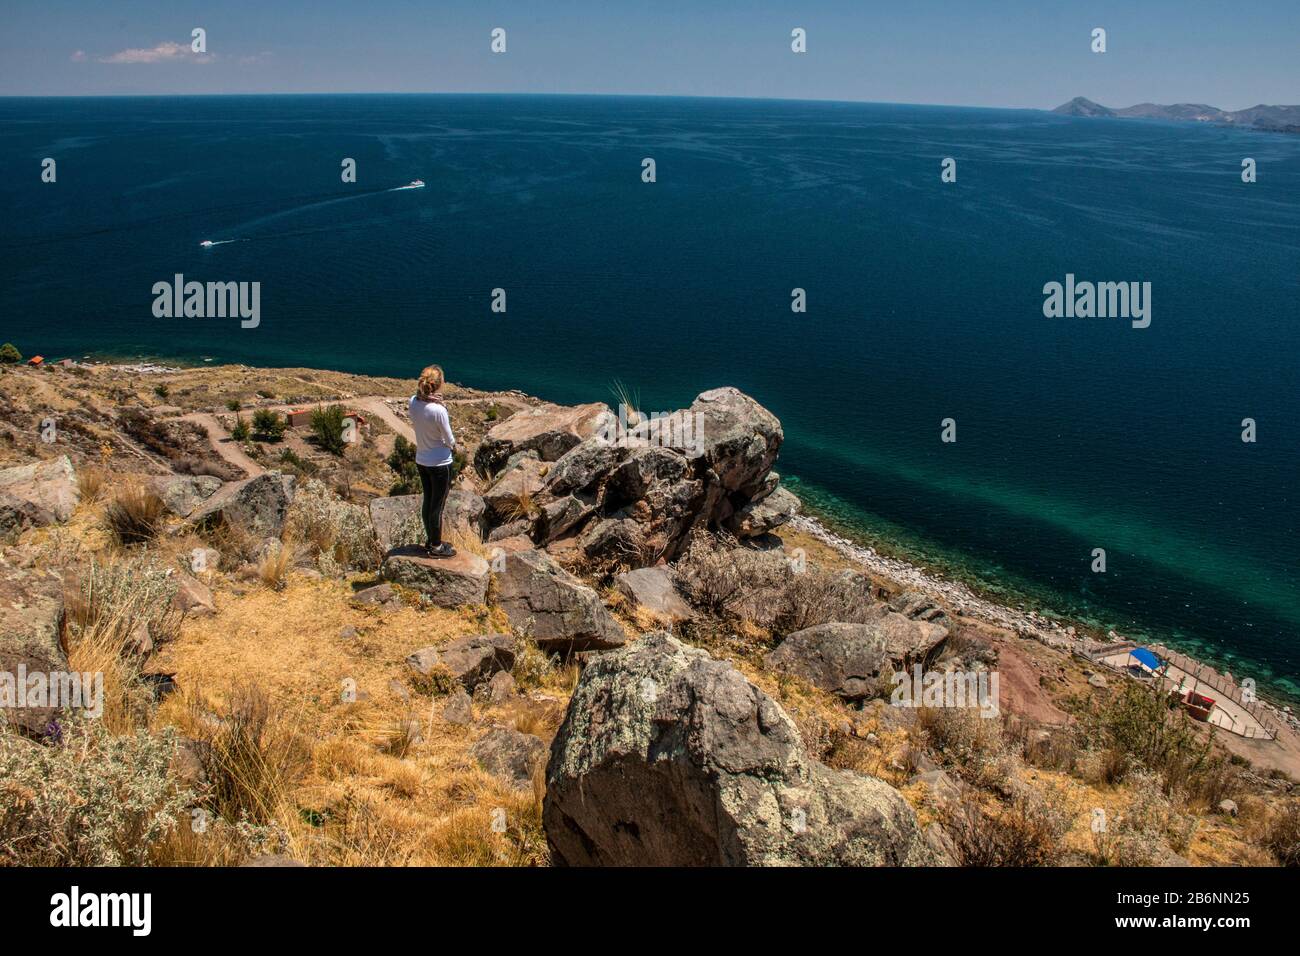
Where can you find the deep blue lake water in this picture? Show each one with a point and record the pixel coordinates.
(924, 303)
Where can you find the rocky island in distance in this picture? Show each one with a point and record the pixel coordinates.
(1282, 119)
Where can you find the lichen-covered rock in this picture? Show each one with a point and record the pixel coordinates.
(256, 505)
(446, 582)
(183, 493)
(39, 494)
(852, 660)
(31, 641)
(509, 754)
(471, 660)
(667, 757)
(554, 608)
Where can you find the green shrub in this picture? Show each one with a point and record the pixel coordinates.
(90, 798)
(268, 425)
(233, 404)
(1140, 726)
(241, 431)
(162, 391)
(402, 461)
(327, 426)
(10, 355)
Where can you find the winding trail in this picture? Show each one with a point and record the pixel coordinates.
(223, 444)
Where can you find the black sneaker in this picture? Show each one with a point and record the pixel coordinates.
(443, 550)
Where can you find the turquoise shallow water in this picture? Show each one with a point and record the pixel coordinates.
(925, 302)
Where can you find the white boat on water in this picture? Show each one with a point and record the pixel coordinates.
(414, 184)
(205, 243)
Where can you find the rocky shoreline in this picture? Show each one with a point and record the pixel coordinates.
(963, 600)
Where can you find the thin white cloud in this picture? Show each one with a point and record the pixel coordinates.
(165, 52)
(78, 56)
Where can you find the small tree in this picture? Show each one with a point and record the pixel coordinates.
(233, 404)
(268, 425)
(327, 426)
(240, 432)
(10, 355)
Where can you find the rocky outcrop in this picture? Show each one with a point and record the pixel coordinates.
(549, 430)
(257, 505)
(509, 754)
(31, 642)
(183, 493)
(471, 660)
(553, 607)
(446, 582)
(667, 757)
(852, 660)
(633, 493)
(39, 494)
(653, 590)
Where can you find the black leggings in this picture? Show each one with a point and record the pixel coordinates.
(435, 480)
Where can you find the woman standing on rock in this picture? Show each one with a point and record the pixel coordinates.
(434, 444)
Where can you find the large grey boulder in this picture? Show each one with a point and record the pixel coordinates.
(653, 590)
(549, 430)
(31, 632)
(851, 660)
(258, 505)
(471, 660)
(39, 494)
(183, 493)
(446, 582)
(553, 607)
(667, 757)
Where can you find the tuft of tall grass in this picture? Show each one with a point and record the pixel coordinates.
(135, 515)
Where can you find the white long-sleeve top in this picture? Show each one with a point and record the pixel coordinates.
(434, 441)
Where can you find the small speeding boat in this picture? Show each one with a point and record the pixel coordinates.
(205, 243)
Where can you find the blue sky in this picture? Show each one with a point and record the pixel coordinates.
(1020, 53)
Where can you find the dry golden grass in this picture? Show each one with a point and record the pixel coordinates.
(274, 566)
(388, 781)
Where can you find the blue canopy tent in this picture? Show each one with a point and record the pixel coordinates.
(1146, 659)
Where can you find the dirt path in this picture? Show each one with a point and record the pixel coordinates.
(379, 408)
(223, 444)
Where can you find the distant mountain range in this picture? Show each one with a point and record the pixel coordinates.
(1284, 119)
